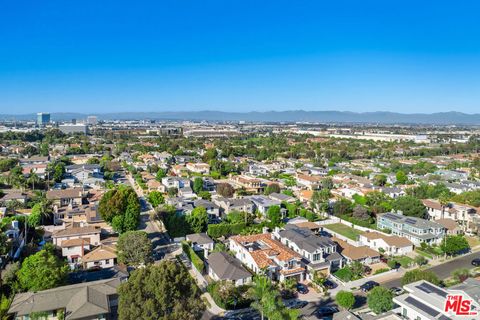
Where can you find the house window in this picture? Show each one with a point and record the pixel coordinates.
(107, 261)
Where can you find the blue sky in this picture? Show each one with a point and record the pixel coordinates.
(108, 56)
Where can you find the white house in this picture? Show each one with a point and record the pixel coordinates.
(391, 245)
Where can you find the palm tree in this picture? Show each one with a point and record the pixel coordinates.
(33, 179)
(444, 202)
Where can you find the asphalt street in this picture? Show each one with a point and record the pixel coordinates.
(444, 270)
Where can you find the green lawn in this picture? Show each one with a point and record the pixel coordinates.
(423, 253)
(344, 230)
(404, 261)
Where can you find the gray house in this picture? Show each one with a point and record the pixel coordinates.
(416, 230)
(320, 253)
(224, 267)
(84, 301)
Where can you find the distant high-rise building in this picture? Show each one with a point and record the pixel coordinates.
(43, 119)
(92, 120)
(74, 121)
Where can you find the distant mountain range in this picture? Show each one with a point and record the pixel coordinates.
(379, 117)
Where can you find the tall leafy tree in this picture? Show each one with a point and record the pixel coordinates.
(410, 206)
(165, 291)
(198, 220)
(345, 299)
(380, 300)
(197, 185)
(43, 270)
(134, 248)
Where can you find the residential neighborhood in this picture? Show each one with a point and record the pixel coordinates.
(312, 227)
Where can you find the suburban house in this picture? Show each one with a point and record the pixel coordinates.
(202, 168)
(282, 197)
(87, 214)
(263, 203)
(416, 230)
(308, 181)
(391, 245)
(85, 174)
(83, 301)
(154, 185)
(213, 210)
(13, 196)
(90, 232)
(201, 242)
(224, 267)
(319, 252)
(466, 216)
(62, 198)
(451, 226)
(104, 256)
(260, 252)
(250, 184)
(74, 249)
(362, 254)
(229, 204)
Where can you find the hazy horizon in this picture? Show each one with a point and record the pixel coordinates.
(113, 56)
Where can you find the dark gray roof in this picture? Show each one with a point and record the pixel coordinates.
(80, 300)
(227, 267)
(304, 238)
(199, 238)
(205, 203)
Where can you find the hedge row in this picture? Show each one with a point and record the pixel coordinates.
(225, 229)
(192, 255)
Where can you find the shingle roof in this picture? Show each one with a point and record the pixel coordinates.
(80, 300)
(390, 240)
(62, 194)
(199, 238)
(100, 253)
(304, 238)
(76, 231)
(227, 267)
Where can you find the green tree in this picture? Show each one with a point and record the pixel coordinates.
(43, 270)
(452, 245)
(160, 175)
(274, 215)
(417, 275)
(268, 301)
(134, 248)
(156, 198)
(197, 185)
(345, 299)
(401, 177)
(205, 195)
(272, 188)
(342, 206)
(410, 206)
(122, 203)
(198, 220)
(380, 300)
(172, 192)
(380, 180)
(165, 291)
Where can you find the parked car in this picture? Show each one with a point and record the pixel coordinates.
(369, 285)
(301, 288)
(329, 284)
(476, 262)
(296, 304)
(397, 291)
(326, 311)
